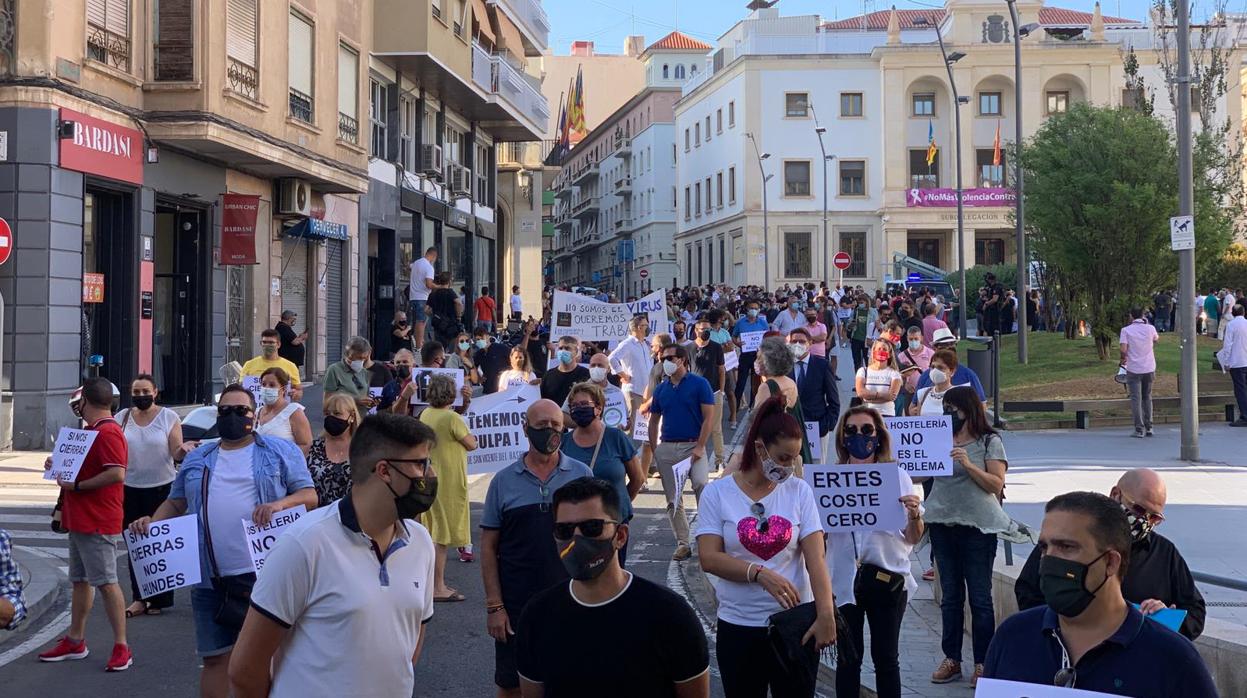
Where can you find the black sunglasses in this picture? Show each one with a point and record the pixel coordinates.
(422, 462)
(240, 410)
(590, 528)
(759, 512)
(1065, 677)
(853, 430)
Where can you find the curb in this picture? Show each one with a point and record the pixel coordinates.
(41, 582)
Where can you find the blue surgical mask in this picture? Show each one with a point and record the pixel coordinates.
(565, 356)
(915, 344)
(482, 343)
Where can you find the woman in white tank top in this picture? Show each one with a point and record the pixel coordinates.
(278, 416)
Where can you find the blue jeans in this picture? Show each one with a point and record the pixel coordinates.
(964, 557)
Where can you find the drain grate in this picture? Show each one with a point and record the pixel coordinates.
(1227, 604)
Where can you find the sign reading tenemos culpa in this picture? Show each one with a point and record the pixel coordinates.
(970, 198)
(591, 320)
(103, 148)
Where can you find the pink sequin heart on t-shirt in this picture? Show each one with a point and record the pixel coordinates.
(765, 544)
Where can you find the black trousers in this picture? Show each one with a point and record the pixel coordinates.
(1239, 376)
(140, 502)
(748, 666)
(857, 347)
(744, 378)
(884, 612)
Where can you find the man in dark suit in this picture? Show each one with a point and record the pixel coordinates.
(816, 384)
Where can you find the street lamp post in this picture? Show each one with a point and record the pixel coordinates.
(1019, 233)
(949, 60)
(1188, 378)
(820, 131)
(766, 235)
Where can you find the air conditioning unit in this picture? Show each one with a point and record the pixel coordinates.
(294, 197)
(462, 181)
(431, 159)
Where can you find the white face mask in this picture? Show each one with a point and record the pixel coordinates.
(938, 376)
(597, 374)
(798, 350)
(269, 395)
(670, 367)
(357, 365)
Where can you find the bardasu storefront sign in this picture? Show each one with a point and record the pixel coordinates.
(970, 198)
(102, 148)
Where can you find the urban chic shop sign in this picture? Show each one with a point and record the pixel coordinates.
(239, 213)
(970, 198)
(102, 148)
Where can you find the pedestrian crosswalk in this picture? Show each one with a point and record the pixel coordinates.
(29, 527)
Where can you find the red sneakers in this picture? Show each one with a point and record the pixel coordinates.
(121, 658)
(65, 649)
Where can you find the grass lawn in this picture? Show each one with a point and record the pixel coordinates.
(1062, 369)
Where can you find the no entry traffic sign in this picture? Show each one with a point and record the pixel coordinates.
(644, 273)
(6, 241)
(842, 260)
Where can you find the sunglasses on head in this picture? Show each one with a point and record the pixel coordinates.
(864, 430)
(758, 509)
(240, 410)
(590, 528)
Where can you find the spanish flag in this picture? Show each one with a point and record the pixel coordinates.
(996, 147)
(932, 149)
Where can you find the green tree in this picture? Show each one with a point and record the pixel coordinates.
(1101, 184)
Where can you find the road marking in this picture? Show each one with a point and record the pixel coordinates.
(677, 583)
(24, 534)
(50, 632)
(25, 518)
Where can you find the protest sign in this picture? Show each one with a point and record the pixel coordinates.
(680, 473)
(858, 497)
(588, 319)
(731, 360)
(421, 376)
(69, 453)
(922, 444)
(260, 539)
(615, 414)
(497, 421)
(995, 688)
(167, 558)
(640, 430)
(816, 441)
(375, 393)
(751, 341)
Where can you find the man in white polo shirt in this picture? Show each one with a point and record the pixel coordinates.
(318, 640)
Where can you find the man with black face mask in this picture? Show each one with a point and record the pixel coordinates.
(1157, 577)
(553, 650)
(518, 559)
(1087, 635)
(379, 626)
(243, 476)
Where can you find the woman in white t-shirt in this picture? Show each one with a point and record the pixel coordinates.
(760, 536)
(153, 438)
(870, 571)
(879, 382)
(520, 373)
(278, 416)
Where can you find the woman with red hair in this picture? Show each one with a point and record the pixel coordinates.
(759, 534)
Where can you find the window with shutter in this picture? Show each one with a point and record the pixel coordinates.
(300, 68)
(348, 94)
(241, 47)
(108, 32)
(174, 40)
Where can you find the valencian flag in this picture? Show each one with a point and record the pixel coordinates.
(996, 147)
(577, 115)
(931, 147)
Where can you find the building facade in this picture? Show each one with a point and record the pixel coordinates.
(877, 87)
(452, 91)
(174, 182)
(614, 213)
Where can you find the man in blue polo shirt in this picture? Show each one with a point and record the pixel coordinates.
(518, 554)
(745, 325)
(1088, 636)
(682, 410)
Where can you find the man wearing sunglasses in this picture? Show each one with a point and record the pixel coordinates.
(1157, 577)
(1087, 635)
(518, 559)
(552, 651)
(333, 643)
(243, 476)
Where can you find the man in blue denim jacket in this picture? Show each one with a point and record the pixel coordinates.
(244, 476)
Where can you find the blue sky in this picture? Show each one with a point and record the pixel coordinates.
(607, 22)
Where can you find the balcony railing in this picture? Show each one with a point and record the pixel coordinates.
(300, 106)
(108, 48)
(243, 79)
(348, 128)
(530, 152)
(532, 16)
(496, 76)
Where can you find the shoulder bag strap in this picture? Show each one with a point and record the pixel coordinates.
(594, 459)
(203, 520)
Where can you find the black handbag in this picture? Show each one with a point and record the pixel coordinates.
(874, 581)
(235, 589)
(784, 631)
(56, 524)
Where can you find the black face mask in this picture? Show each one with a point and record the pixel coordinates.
(336, 426)
(142, 402)
(958, 422)
(679, 334)
(419, 497)
(586, 558)
(403, 372)
(545, 440)
(704, 335)
(234, 426)
(1064, 584)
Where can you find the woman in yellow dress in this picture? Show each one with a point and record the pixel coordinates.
(449, 521)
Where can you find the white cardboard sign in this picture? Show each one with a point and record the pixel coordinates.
(680, 474)
(69, 453)
(591, 320)
(858, 497)
(731, 360)
(751, 341)
(816, 441)
(421, 377)
(260, 539)
(167, 558)
(497, 421)
(922, 444)
(995, 688)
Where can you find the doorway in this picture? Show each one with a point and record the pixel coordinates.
(926, 250)
(109, 323)
(181, 311)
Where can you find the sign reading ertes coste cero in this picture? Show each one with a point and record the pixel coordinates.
(103, 148)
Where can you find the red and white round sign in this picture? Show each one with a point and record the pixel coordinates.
(6, 241)
(842, 260)
(644, 273)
